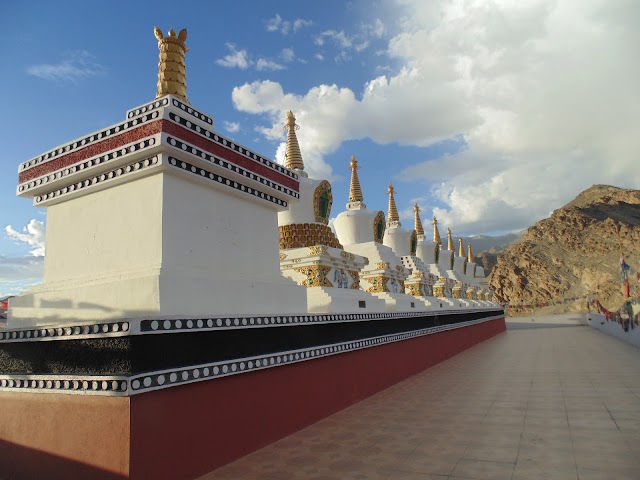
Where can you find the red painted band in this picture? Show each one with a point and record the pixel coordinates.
(91, 150)
(148, 130)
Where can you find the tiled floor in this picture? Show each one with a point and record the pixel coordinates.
(534, 403)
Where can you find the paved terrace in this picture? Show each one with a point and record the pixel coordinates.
(547, 400)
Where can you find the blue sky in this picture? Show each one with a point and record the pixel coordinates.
(489, 114)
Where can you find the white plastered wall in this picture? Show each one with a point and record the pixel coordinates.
(159, 246)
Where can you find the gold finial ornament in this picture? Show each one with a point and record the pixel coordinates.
(469, 253)
(172, 73)
(293, 156)
(392, 217)
(436, 234)
(417, 222)
(355, 192)
(449, 240)
(460, 248)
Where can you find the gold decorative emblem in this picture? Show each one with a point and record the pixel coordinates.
(378, 284)
(347, 255)
(439, 289)
(317, 250)
(322, 201)
(382, 265)
(355, 276)
(316, 276)
(379, 226)
(282, 256)
(172, 73)
(413, 289)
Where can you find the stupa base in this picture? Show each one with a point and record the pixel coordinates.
(150, 431)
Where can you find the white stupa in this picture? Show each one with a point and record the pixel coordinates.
(310, 253)
(421, 281)
(361, 231)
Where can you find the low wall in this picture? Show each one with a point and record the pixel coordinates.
(186, 431)
(223, 420)
(599, 322)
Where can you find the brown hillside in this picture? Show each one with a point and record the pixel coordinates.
(486, 260)
(575, 252)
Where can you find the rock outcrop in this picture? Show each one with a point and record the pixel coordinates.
(575, 252)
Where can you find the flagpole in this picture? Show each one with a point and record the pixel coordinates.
(622, 263)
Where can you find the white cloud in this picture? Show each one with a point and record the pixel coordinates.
(287, 55)
(32, 234)
(231, 127)
(74, 67)
(552, 86)
(266, 64)
(300, 23)
(319, 56)
(242, 60)
(315, 112)
(235, 59)
(340, 38)
(542, 95)
(377, 29)
(278, 24)
(358, 41)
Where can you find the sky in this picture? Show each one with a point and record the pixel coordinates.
(488, 113)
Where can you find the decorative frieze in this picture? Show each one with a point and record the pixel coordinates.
(300, 235)
(201, 172)
(316, 276)
(128, 385)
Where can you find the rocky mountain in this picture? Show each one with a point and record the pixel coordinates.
(486, 248)
(574, 252)
(486, 260)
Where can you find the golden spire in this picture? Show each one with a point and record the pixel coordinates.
(436, 234)
(449, 240)
(469, 253)
(392, 216)
(355, 192)
(172, 73)
(417, 223)
(460, 248)
(293, 157)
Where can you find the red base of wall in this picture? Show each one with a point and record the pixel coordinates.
(184, 432)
